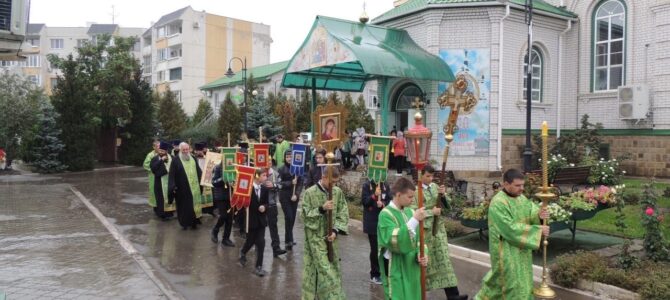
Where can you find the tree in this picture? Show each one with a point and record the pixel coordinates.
(19, 108)
(140, 131)
(230, 121)
(261, 115)
(171, 115)
(78, 115)
(303, 115)
(359, 116)
(47, 147)
(286, 112)
(202, 113)
(335, 98)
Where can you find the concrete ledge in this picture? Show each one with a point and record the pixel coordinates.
(607, 290)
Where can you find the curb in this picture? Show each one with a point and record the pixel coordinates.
(165, 287)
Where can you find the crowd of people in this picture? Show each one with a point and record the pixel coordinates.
(391, 217)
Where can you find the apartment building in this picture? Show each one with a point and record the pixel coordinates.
(186, 49)
(42, 40)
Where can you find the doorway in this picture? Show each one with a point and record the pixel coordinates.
(402, 104)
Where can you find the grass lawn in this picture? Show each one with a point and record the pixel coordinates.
(604, 221)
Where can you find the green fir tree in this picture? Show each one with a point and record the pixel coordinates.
(202, 113)
(139, 133)
(47, 147)
(171, 115)
(230, 121)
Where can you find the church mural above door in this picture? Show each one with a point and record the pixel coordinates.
(472, 135)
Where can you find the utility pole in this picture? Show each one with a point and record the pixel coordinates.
(528, 151)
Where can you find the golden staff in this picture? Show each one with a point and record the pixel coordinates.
(544, 291)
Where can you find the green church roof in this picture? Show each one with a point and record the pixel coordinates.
(260, 73)
(416, 5)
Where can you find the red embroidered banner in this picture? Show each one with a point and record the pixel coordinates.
(241, 158)
(261, 155)
(243, 186)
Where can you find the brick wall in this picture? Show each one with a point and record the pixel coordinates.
(649, 155)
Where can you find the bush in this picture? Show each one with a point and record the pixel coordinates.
(569, 268)
(632, 197)
(454, 228)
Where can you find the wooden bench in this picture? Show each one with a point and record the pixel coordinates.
(574, 176)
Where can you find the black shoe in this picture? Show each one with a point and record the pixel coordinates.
(194, 226)
(243, 260)
(227, 243)
(289, 248)
(197, 221)
(459, 297)
(260, 272)
(278, 252)
(215, 236)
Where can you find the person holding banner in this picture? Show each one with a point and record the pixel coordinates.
(322, 278)
(375, 196)
(184, 187)
(257, 222)
(290, 186)
(221, 193)
(314, 174)
(440, 272)
(207, 201)
(272, 184)
(159, 166)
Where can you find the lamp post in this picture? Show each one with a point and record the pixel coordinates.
(528, 152)
(230, 74)
(418, 151)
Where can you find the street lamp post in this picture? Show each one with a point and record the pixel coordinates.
(528, 152)
(230, 74)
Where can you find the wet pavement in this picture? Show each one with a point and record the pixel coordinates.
(53, 247)
(84, 258)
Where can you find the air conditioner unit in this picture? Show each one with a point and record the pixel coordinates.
(196, 24)
(633, 102)
(13, 23)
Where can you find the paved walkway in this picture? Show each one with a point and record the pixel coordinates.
(53, 247)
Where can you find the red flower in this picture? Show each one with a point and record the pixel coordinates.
(649, 211)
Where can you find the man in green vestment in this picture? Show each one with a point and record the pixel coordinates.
(440, 272)
(282, 146)
(399, 244)
(322, 279)
(147, 167)
(514, 231)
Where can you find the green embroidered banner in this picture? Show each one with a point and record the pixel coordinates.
(379, 157)
(228, 161)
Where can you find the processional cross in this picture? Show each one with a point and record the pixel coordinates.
(459, 99)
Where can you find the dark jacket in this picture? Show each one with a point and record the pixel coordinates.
(180, 190)
(258, 219)
(286, 184)
(158, 169)
(370, 209)
(312, 176)
(221, 190)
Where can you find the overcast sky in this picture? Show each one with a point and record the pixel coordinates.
(289, 20)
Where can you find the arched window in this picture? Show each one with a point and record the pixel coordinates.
(536, 77)
(406, 96)
(609, 29)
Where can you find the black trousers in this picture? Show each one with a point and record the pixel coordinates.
(399, 163)
(374, 263)
(290, 209)
(240, 219)
(272, 214)
(225, 220)
(346, 159)
(255, 237)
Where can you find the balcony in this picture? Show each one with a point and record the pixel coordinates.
(146, 50)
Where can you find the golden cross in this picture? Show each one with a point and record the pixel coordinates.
(459, 99)
(417, 103)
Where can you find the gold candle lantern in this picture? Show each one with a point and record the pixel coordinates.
(544, 291)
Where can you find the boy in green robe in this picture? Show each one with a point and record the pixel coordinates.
(280, 148)
(322, 279)
(147, 167)
(514, 231)
(440, 272)
(399, 244)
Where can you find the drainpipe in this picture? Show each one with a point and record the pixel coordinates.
(500, 85)
(560, 76)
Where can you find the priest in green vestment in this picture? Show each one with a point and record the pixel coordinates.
(184, 187)
(398, 244)
(282, 146)
(514, 232)
(440, 272)
(322, 279)
(147, 167)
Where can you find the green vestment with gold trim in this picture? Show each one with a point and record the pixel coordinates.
(147, 167)
(404, 280)
(322, 279)
(514, 231)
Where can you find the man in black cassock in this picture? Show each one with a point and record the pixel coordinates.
(160, 164)
(184, 187)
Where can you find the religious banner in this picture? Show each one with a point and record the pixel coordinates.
(299, 153)
(261, 155)
(243, 185)
(228, 159)
(379, 157)
(241, 158)
(472, 135)
(211, 160)
(321, 49)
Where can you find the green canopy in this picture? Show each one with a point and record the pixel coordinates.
(342, 55)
